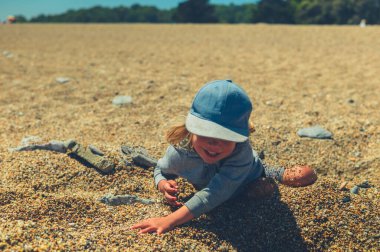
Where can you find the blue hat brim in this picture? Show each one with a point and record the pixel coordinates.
(202, 127)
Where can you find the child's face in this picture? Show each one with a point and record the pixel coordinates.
(211, 150)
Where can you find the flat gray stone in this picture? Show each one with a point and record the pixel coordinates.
(57, 146)
(126, 199)
(62, 80)
(54, 145)
(139, 155)
(143, 161)
(364, 184)
(121, 100)
(128, 150)
(315, 132)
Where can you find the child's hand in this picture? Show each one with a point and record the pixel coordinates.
(159, 225)
(169, 188)
(162, 224)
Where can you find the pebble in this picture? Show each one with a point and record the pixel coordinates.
(343, 185)
(128, 150)
(355, 190)
(357, 153)
(351, 101)
(8, 54)
(91, 156)
(346, 199)
(62, 80)
(3, 245)
(364, 184)
(54, 145)
(139, 155)
(121, 100)
(143, 160)
(315, 132)
(117, 200)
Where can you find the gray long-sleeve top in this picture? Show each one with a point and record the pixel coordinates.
(216, 182)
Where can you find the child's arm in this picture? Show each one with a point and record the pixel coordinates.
(163, 224)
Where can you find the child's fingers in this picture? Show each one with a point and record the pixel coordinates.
(170, 197)
(159, 231)
(139, 225)
(170, 189)
(173, 201)
(173, 183)
(147, 230)
(144, 227)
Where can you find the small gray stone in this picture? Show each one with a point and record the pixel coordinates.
(357, 153)
(143, 160)
(126, 199)
(139, 155)
(62, 80)
(57, 146)
(121, 100)
(364, 184)
(346, 199)
(355, 190)
(315, 132)
(53, 145)
(8, 54)
(361, 164)
(128, 150)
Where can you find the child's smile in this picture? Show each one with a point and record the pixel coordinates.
(211, 150)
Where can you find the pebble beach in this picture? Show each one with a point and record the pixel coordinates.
(123, 85)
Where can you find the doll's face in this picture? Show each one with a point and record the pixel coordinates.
(211, 150)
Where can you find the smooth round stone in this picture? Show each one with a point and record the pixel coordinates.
(121, 100)
(315, 132)
(346, 199)
(62, 80)
(355, 190)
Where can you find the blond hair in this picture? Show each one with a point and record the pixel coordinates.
(178, 134)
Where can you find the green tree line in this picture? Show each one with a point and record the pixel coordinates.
(201, 11)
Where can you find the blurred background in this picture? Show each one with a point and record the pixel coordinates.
(193, 11)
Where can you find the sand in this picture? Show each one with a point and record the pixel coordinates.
(297, 76)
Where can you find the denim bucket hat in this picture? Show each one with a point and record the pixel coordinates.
(220, 109)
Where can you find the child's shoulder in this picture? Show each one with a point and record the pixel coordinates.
(176, 151)
(177, 157)
(242, 150)
(243, 146)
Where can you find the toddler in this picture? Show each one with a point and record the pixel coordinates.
(212, 151)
